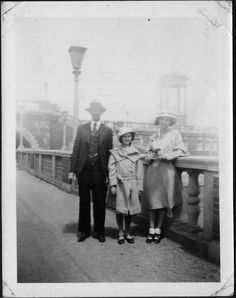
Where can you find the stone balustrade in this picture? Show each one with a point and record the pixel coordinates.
(197, 220)
(208, 199)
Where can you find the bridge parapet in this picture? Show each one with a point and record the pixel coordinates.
(196, 223)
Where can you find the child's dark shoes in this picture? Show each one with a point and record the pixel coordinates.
(156, 238)
(149, 238)
(121, 239)
(129, 239)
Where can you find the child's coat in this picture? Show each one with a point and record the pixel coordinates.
(126, 173)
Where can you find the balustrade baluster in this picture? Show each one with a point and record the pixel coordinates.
(53, 167)
(177, 210)
(35, 162)
(193, 208)
(21, 159)
(40, 164)
(27, 161)
(208, 205)
(32, 162)
(65, 171)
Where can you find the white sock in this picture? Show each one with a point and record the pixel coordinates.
(151, 231)
(158, 231)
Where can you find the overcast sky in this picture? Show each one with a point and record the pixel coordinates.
(126, 54)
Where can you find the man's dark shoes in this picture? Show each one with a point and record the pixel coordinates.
(101, 238)
(82, 236)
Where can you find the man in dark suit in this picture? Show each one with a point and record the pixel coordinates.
(89, 162)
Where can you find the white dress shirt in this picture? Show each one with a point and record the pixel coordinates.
(98, 123)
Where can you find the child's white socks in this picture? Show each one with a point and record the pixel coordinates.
(151, 231)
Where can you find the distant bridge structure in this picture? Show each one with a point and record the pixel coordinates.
(43, 128)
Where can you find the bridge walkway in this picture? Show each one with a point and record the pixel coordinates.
(47, 250)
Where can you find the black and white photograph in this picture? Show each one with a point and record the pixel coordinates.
(117, 149)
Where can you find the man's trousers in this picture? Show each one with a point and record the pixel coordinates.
(92, 179)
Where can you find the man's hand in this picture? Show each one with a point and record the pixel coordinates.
(140, 194)
(113, 190)
(72, 176)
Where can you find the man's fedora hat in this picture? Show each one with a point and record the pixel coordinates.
(171, 116)
(96, 106)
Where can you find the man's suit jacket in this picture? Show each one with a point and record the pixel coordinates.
(81, 147)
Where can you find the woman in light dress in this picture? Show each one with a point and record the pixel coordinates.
(162, 186)
(126, 182)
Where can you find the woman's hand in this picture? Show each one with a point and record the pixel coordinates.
(113, 190)
(150, 156)
(162, 155)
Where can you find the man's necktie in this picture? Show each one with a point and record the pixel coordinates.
(94, 128)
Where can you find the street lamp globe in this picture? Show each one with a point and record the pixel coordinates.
(76, 55)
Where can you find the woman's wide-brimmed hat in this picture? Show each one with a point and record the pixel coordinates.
(96, 106)
(166, 114)
(124, 130)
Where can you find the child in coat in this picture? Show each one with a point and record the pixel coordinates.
(126, 182)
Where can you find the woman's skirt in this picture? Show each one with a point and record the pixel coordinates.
(162, 186)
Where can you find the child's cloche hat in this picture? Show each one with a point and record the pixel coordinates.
(124, 130)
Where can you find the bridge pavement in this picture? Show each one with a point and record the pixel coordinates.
(47, 250)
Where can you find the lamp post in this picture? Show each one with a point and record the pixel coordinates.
(21, 110)
(64, 119)
(76, 55)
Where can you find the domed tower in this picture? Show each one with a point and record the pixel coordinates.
(173, 89)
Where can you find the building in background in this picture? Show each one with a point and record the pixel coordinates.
(43, 122)
(42, 125)
(173, 95)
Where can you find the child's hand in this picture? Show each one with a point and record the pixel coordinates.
(113, 190)
(156, 150)
(150, 156)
